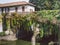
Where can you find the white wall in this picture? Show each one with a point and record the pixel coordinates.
(29, 8)
(3, 10)
(19, 9)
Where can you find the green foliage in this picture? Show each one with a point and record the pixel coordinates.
(2, 33)
(46, 4)
(46, 28)
(41, 32)
(45, 18)
(49, 14)
(56, 4)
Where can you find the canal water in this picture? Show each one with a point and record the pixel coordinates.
(18, 42)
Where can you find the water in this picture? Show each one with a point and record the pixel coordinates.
(18, 42)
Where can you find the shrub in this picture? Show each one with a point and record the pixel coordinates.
(49, 14)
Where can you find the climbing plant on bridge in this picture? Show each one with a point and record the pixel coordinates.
(46, 19)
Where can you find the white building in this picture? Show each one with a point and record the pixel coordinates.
(17, 7)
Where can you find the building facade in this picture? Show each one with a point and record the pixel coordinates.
(17, 7)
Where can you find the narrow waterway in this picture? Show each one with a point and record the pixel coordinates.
(18, 42)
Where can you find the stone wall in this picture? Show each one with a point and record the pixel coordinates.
(9, 37)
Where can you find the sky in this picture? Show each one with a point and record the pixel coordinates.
(8, 1)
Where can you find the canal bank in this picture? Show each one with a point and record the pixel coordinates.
(8, 37)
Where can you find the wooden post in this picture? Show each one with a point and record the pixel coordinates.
(16, 9)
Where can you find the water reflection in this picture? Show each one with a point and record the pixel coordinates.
(18, 42)
(7, 42)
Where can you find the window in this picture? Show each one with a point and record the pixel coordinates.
(31, 10)
(12, 8)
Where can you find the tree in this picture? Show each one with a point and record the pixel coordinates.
(56, 4)
(46, 4)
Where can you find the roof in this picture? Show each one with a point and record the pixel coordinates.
(15, 3)
(0, 4)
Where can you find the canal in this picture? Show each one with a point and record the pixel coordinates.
(18, 42)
